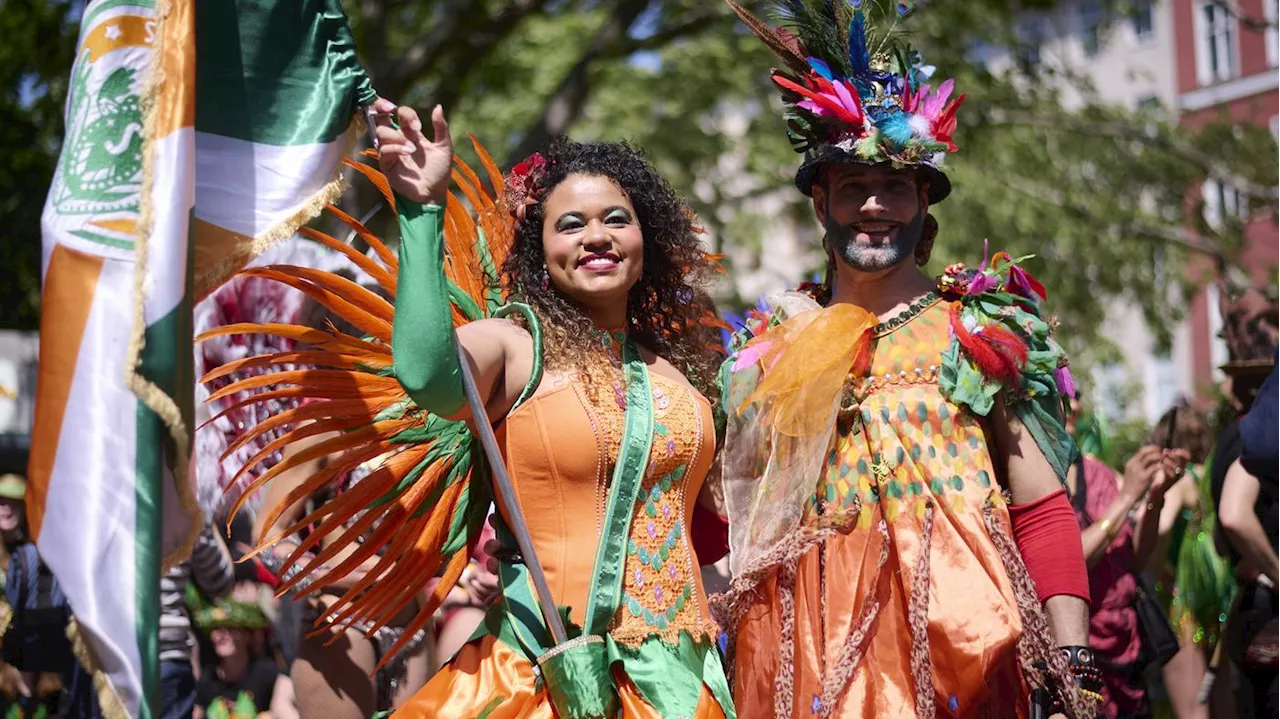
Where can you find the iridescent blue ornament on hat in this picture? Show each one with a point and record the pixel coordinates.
(858, 93)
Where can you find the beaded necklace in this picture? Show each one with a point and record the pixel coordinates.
(849, 416)
(913, 310)
(611, 339)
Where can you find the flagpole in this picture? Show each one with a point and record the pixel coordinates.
(515, 517)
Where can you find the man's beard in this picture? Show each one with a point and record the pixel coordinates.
(841, 241)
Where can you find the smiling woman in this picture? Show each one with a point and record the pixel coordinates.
(572, 293)
(603, 266)
(612, 246)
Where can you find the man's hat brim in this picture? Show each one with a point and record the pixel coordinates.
(807, 175)
(1248, 368)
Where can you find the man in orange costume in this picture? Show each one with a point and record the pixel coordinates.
(901, 542)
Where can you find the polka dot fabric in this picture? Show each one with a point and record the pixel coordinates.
(908, 611)
(906, 442)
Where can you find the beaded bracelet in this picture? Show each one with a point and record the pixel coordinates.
(271, 561)
(1080, 662)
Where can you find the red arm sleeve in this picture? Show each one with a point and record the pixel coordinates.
(1048, 537)
(710, 535)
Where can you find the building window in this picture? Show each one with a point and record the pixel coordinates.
(1160, 382)
(1143, 20)
(1269, 10)
(1222, 201)
(1216, 44)
(1091, 27)
(1148, 103)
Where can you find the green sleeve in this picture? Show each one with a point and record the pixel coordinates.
(422, 340)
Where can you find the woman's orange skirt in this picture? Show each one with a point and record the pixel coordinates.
(489, 680)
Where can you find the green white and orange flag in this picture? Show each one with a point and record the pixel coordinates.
(196, 135)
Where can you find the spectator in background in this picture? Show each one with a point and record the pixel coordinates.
(1248, 517)
(210, 570)
(1259, 452)
(464, 607)
(51, 681)
(336, 677)
(242, 682)
(12, 535)
(1118, 524)
(1194, 583)
(13, 517)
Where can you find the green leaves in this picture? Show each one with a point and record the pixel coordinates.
(35, 63)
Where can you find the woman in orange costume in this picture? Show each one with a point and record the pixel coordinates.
(595, 266)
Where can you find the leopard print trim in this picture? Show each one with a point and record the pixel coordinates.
(918, 619)
(842, 670)
(784, 684)
(1035, 646)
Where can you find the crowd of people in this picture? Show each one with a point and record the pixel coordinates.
(886, 474)
(1160, 547)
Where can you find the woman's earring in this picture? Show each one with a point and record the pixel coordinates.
(546, 278)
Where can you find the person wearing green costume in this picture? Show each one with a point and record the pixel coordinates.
(608, 446)
(1194, 582)
(244, 682)
(572, 291)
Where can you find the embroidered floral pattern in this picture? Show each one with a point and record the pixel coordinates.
(660, 587)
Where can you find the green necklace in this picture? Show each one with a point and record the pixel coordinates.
(926, 301)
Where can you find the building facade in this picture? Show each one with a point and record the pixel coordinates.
(1226, 60)
(1125, 61)
(1200, 61)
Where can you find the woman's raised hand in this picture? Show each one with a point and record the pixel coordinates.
(417, 168)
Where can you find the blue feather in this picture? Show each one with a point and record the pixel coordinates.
(821, 68)
(895, 127)
(859, 54)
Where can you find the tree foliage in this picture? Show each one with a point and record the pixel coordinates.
(35, 60)
(1099, 193)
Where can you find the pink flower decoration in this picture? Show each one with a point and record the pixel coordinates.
(524, 184)
(750, 355)
(1066, 383)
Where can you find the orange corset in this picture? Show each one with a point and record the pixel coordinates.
(560, 447)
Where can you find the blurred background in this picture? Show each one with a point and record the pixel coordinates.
(1129, 144)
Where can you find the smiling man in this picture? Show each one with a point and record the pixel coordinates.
(901, 542)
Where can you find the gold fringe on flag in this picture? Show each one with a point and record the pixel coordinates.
(109, 703)
(165, 407)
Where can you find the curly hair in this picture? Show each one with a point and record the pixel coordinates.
(666, 305)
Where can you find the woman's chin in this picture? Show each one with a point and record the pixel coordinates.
(601, 290)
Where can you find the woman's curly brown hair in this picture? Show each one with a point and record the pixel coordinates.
(663, 308)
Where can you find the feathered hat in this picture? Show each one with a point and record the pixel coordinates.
(855, 92)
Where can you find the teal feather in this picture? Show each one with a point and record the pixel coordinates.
(895, 127)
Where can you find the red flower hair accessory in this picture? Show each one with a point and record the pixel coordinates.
(524, 185)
